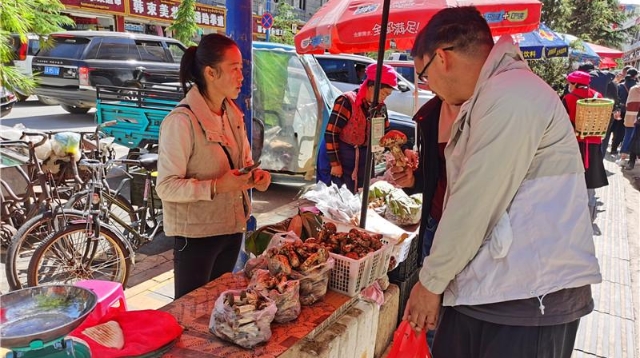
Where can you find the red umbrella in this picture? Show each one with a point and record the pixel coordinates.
(354, 25)
(607, 62)
(605, 51)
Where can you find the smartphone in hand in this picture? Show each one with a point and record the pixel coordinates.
(249, 168)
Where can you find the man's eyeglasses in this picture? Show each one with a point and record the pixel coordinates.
(422, 76)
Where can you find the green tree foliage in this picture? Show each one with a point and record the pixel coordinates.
(596, 21)
(21, 17)
(555, 14)
(552, 71)
(284, 20)
(599, 21)
(184, 26)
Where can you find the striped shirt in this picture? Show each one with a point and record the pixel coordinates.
(340, 115)
(633, 106)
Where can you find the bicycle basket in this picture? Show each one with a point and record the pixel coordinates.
(592, 116)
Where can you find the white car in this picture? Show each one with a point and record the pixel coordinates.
(341, 70)
(23, 53)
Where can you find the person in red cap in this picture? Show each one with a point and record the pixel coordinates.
(346, 135)
(595, 174)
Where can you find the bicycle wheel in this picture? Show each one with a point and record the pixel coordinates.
(122, 215)
(28, 238)
(72, 254)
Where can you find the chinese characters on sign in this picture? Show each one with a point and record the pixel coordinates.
(108, 6)
(166, 10)
(393, 28)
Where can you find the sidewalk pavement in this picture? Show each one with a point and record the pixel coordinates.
(611, 331)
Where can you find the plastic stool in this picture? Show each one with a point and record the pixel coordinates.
(108, 292)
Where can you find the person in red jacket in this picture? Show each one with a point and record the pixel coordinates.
(595, 174)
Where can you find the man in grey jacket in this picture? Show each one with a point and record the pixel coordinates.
(513, 256)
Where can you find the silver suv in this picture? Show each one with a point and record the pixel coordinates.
(341, 70)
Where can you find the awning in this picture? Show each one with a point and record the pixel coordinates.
(605, 51)
(607, 62)
(580, 51)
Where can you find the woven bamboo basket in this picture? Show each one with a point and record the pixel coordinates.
(592, 116)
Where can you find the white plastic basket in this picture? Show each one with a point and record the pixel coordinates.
(380, 262)
(350, 276)
(401, 250)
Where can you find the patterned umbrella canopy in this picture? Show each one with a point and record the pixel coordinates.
(541, 43)
(579, 50)
(352, 26)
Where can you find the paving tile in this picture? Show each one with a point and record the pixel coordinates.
(148, 301)
(138, 289)
(613, 299)
(603, 335)
(615, 270)
(166, 289)
(165, 276)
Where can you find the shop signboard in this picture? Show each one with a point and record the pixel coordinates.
(116, 7)
(165, 10)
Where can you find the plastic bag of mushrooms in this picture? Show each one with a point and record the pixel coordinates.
(284, 292)
(243, 317)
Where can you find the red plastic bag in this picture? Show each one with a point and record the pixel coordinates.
(407, 345)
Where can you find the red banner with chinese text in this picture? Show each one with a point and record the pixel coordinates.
(115, 7)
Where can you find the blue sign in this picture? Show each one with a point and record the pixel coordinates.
(267, 20)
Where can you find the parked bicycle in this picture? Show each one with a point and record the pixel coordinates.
(58, 189)
(91, 248)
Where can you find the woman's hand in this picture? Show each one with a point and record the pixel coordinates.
(232, 181)
(336, 171)
(261, 179)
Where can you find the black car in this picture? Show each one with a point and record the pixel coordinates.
(76, 61)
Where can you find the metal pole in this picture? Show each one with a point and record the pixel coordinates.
(376, 93)
(239, 28)
(268, 33)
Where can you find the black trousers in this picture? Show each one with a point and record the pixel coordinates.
(198, 261)
(461, 336)
(617, 130)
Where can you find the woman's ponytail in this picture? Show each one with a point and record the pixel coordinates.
(187, 67)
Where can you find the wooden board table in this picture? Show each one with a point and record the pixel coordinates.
(193, 312)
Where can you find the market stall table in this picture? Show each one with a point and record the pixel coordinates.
(193, 312)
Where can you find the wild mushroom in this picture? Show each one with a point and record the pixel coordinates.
(394, 140)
